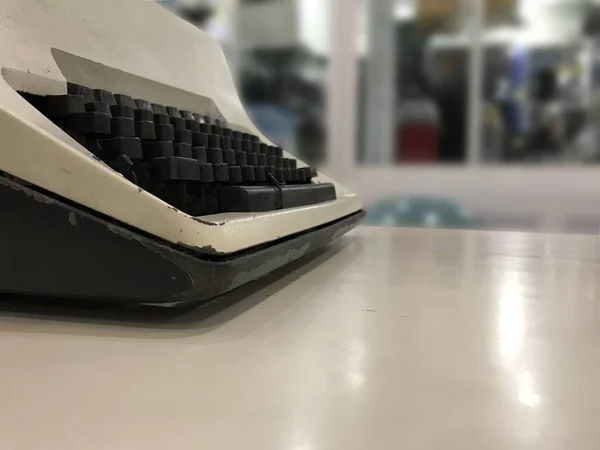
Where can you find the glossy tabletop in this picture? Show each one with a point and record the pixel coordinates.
(387, 339)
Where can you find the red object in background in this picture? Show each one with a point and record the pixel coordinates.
(417, 142)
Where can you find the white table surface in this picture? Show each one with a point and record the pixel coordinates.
(387, 339)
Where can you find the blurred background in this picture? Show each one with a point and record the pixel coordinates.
(438, 113)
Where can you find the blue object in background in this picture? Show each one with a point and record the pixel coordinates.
(421, 212)
(519, 75)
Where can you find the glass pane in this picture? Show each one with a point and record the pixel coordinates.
(541, 84)
(414, 82)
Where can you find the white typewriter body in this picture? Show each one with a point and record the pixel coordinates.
(140, 49)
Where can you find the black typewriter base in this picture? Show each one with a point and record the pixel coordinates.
(54, 249)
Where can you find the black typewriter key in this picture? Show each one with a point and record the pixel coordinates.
(192, 125)
(144, 115)
(122, 111)
(260, 174)
(83, 91)
(241, 158)
(199, 153)
(182, 150)
(143, 104)
(279, 174)
(164, 132)
(309, 175)
(145, 130)
(236, 198)
(226, 143)
(100, 107)
(293, 175)
(161, 119)
(159, 109)
(235, 174)
(303, 174)
(102, 95)
(144, 111)
(215, 155)
(158, 149)
(173, 112)
(125, 106)
(199, 140)
(188, 169)
(131, 147)
(214, 141)
(247, 174)
(178, 123)
(125, 100)
(207, 173)
(183, 136)
(187, 115)
(221, 172)
(122, 126)
(91, 122)
(229, 157)
(63, 105)
(164, 169)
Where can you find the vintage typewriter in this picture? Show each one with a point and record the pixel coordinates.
(129, 170)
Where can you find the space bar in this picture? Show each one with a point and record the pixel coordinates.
(271, 198)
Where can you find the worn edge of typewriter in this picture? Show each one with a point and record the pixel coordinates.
(65, 167)
(77, 254)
